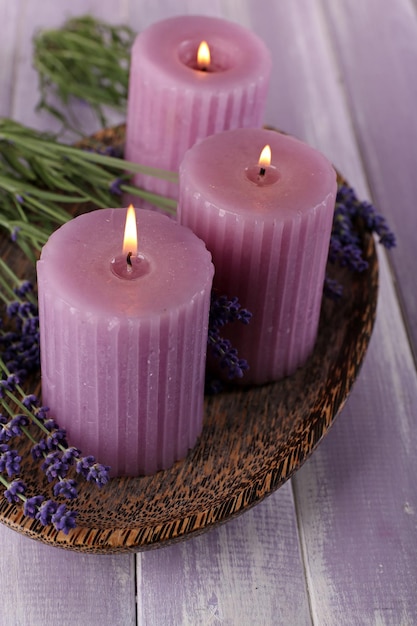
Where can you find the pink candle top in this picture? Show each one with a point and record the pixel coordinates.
(78, 262)
(268, 228)
(169, 50)
(225, 169)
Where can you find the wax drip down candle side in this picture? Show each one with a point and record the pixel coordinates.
(191, 77)
(268, 226)
(123, 337)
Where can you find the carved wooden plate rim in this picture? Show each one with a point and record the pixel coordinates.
(253, 439)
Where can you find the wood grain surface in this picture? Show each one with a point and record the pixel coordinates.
(336, 544)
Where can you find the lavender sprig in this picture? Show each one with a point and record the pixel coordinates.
(225, 311)
(47, 512)
(345, 242)
(20, 348)
(19, 342)
(86, 60)
(52, 449)
(39, 174)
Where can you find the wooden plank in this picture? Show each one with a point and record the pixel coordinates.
(9, 15)
(246, 572)
(44, 586)
(305, 97)
(377, 47)
(356, 497)
(146, 12)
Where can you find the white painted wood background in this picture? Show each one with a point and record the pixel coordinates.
(338, 544)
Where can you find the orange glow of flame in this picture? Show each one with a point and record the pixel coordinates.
(265, 157)
(130, 239)
(203, 56)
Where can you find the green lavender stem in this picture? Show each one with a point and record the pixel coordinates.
(85, 60)
(39, 176)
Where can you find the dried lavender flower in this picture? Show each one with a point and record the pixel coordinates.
(9, 460)
(92, 471)
(224, 311)
(345, 249)
(66, 487)
(14, 490)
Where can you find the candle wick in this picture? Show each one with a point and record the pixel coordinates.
(129, 259)
(262, 171)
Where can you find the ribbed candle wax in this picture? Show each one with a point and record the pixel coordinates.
(172, 103)
(123, 352)
(269, 236)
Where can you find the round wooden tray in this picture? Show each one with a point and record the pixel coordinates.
(253, 440)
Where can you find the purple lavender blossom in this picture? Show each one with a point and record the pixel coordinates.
(14, 489)
(24, 288)
(50, 424)
(31, 506)
(345, 243)
(56, 438)
(39, 450)
(224, 311)
(236, 367)
(67, 488)
(9, 460)
(30, 401)
(12, 428)
(63, 519)
(92, 471)
(70, 454)
(8, 384)
(45, 512)
(53, 466)
(115, 186)
(14, 233)
(12, 308)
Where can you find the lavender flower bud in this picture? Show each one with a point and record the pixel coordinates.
(31, 506)
(30, 401)
(67, 488)
(25, 287)
(45, 512)
(56, 438)
(92, 471)
(63, 519)
(38, 450)
(53, 466)
(14, 489)
(9, 460)
(70, 454)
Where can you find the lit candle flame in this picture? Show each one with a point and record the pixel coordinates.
(265, 157)
(203, 56)
(130, 239)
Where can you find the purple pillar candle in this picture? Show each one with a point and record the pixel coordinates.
(174, 100)
(268, 228)
(123, 338)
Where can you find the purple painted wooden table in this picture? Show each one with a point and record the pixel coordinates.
(337, 545)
